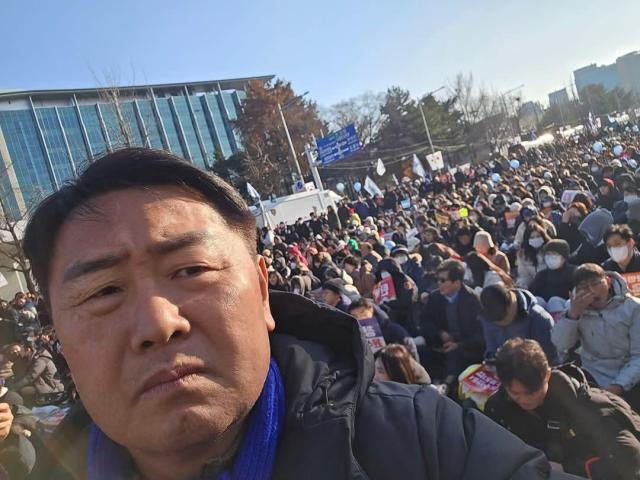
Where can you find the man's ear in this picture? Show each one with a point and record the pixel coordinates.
(263, 279)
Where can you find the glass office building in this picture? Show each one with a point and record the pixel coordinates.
(48, 136)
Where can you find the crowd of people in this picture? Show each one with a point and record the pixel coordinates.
(512, 287)
(524, 264)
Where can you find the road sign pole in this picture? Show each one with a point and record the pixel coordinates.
(293, 150)
(426, 127)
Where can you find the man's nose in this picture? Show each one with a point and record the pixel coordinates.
(157, 322)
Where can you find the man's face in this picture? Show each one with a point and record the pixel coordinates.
(330, 297)
(526, 399)
(598, 290)
(362, 313)
(446, 286)
(164, 318)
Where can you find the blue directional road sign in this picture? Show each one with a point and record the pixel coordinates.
(338, 145)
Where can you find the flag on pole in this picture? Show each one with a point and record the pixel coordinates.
(380, 168)
(371, 187)
(418, 169)
(253, 193)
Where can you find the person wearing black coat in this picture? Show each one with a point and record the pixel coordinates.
(451, 326)
(589, 431)
(557, 279)
(332, 218)
(339, 424)
(401, 309)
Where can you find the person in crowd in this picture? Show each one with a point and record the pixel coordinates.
(362, 274)
(584, 430)
(393, 333)
(368, 254)
(557, 279)
(276, 282)
(481, 273)
(394, 363)
(463, 241)
(483, 244)
(530, 256)
(604, 318)
(400, 308)
(621, 246)
(510, 313)
(592, 248)
(333, 294)
(35, 373)
(169, 393)
(571, 220)
(408, 264)
(451, 326)
(608, 194)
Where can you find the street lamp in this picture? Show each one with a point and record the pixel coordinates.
(281, 109)
(424, 119)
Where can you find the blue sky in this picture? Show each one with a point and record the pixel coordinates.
(335, 49)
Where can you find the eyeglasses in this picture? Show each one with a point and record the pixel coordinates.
(442, 280)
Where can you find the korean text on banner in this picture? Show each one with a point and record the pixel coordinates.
(371, 330)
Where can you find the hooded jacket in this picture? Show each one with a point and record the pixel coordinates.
(610, 338)
(532, 321)
(340, 425)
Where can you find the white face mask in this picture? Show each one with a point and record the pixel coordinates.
(618, 254)
(536, 242)
(553, 261)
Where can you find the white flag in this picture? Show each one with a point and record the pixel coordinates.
(395, 179)
(371, 187)
(380, 168)
(435, 160)
(253, 193)
(418, 169)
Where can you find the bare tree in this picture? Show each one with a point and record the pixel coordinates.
(471, 103)
(364, 111)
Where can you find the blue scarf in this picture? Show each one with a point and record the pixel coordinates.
(255, 458)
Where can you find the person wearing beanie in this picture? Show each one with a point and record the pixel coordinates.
(608, 194)
(483, 244)
(621, 246)
(556, 280)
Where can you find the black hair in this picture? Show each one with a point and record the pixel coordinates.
(360, 303)
(624, 231)
(524, 361)
(495, 300)
(454, 269)
(119, 170)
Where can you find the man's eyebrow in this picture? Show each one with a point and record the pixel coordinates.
(178, 242)
(85, 267)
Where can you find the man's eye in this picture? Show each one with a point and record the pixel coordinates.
(110, 290)
(190, 271)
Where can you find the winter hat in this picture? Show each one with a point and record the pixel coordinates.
(334, 285)
(595, 224)
(561, 247)
(483, 235)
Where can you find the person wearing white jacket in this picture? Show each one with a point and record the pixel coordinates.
(605, 318)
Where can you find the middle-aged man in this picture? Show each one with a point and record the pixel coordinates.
(605, 319)
(188, 369)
